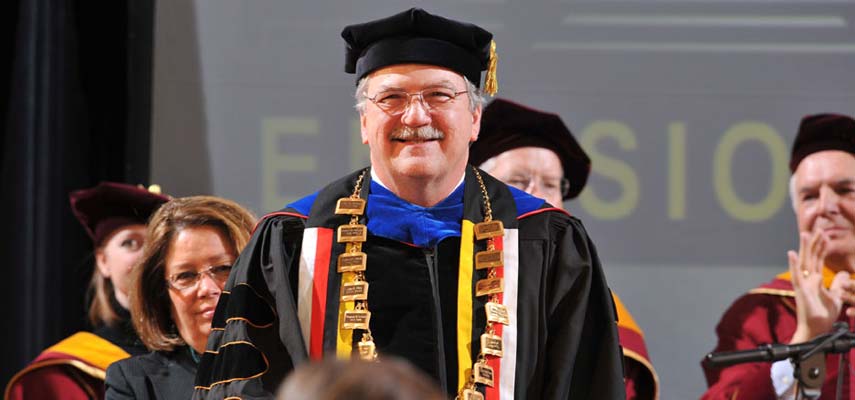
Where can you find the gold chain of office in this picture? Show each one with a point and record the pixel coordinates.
(354, 260)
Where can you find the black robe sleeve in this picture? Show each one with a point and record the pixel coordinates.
(579, 355)
(598, 357)
(255, 338)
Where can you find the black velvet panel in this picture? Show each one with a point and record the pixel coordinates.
(248, 362)
(245, 303)
(401, 303)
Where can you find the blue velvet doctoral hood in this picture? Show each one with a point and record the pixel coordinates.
(391, 217)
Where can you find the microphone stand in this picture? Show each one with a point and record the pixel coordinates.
(808, 358)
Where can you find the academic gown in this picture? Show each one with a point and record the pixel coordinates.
(766, 314)
(75, 367)
(158, 375)
(281, 304)
(641, 380)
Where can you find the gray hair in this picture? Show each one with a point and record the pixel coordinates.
(476, 99)
(793, 191)
(488, 165)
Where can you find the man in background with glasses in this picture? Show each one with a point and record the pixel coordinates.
(535, 152)
(488, 290)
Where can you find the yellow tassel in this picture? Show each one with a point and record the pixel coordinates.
(154, 188)
(491, 84)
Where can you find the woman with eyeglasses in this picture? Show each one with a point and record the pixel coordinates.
(191, 244)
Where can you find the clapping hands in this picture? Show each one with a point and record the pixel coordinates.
(817, 308)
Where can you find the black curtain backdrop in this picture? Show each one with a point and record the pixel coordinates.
(76, 104)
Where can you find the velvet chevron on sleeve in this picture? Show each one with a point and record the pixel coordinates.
(255, 338)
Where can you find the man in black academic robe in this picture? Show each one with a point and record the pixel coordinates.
(437, 260)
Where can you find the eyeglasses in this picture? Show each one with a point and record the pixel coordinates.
(395, 102)
(189, 279)
(547, 186)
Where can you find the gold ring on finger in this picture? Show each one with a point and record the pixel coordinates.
(805, 273)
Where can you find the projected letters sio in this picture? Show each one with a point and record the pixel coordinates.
(278, 162)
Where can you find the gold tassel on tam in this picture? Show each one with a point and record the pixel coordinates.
(153, 188)
(491, 85)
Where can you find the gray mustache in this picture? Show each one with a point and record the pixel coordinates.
(420, 133)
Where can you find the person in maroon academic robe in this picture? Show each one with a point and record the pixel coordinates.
(805, 302)
(114, 215)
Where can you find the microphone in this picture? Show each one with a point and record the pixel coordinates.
(777, 351)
